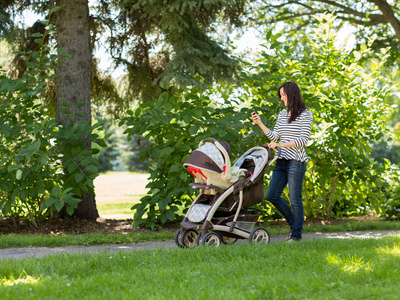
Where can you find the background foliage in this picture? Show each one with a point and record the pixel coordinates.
(44, 165)
(347, 104)
(172, 128)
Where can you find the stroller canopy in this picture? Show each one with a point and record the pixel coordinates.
(209, 157)
(258, 155)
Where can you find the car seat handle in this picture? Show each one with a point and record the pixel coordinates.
(227, 171)
(210, 139)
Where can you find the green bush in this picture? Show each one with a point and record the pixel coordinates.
(44, 166)
(348, 108)
(172, 128)
(347, 104)
(391, 191)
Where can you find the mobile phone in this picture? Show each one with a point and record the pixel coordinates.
(253, 110)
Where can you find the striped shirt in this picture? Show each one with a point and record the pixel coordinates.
(298, 131)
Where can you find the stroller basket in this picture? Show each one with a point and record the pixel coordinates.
(243, 225)
(244, 222)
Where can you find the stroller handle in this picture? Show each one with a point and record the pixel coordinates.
(278, 150)
(227, 173)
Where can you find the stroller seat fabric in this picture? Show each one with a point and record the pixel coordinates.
(214, 154)
(254, 160)
(208, 157)
(198, 212)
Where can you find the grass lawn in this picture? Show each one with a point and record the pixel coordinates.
(311, 269)
(117, 192)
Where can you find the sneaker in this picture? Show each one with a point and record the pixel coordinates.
(291, 239)
(289, 236)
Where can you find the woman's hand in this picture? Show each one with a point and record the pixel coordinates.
(256, 118)
(273, 145)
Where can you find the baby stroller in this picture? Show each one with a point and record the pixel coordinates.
(221, 213)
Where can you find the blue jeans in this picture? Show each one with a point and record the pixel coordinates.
(289, 172)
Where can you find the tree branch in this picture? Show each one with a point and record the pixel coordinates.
(389, 15)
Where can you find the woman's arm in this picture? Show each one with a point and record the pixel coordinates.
(268, 132)
(273, 145)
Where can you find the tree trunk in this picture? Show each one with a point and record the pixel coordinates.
(73, 81)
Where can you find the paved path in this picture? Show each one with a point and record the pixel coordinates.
(15, 253)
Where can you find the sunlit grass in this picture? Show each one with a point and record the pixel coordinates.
(392, 250)
(117, 208)
(353, 264)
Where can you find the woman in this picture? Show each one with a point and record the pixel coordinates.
(293, 129)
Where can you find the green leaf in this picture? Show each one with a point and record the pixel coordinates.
(184, 148)
(79, 177)
(56, 191)
(81, 114)
(59, 205)
(54, 9)
(70, 210)
(175, 168)
(66, 111)
(49, 202)
(170, 215)
(91, 169)
(101, 143)
(19, 174)
(163, 203)
(193, 130)
(167, 151)
(23, 195)
(80, 104)
(214, 130)
(36, 145)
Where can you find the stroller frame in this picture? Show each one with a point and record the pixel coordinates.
(231, 224)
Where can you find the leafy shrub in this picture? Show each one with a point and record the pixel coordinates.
(44, 166)
(347, 104)
(173, 127)
(391, 209)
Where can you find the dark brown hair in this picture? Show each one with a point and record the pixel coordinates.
(295, 102)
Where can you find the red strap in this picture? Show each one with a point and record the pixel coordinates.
(194, 170)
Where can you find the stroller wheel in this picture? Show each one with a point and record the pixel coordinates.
(211, 239)
(198, 239)
(259, 235)
(188, 238)
(178, 238)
